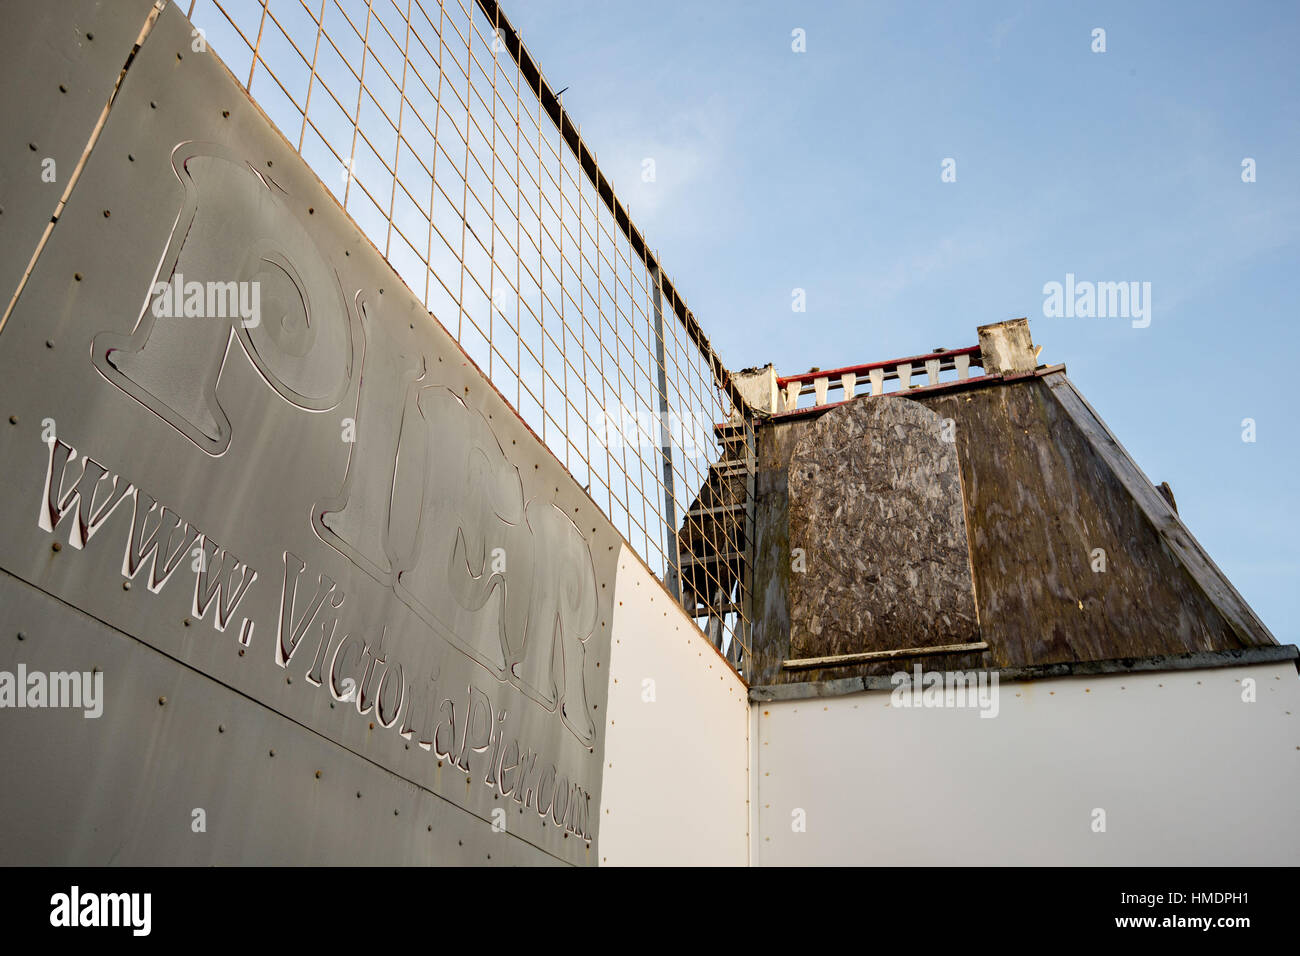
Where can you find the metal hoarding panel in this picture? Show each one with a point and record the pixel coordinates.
(307, 493)
(163, 765)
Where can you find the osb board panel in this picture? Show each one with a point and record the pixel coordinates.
(773, 572)
(880, 559)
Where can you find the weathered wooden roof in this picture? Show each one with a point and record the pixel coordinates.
(1074, 555)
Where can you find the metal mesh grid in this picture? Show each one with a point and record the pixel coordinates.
(420, 118)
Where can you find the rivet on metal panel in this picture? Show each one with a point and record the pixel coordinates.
(272, 753)
(221, 728)
(153, 105)
(241, 652)
(288, 680)
(32, 147)
(394, 812)
(126, 585)
(358, 794)
(317, 774)
(90, 36)
(131, 157)
(62, 88)
(49, 343)
(430, 827)
(311, 210)
(13, 419)
(107, 213)
(186, 622)
(225, 114)
(22, 636)
(76, 276)
(178, 57)
(162, 701)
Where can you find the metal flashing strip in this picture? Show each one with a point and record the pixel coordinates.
(1200, 660)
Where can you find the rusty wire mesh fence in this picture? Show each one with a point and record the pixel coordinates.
(435, 130)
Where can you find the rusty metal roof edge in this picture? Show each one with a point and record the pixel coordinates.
(1198, 660)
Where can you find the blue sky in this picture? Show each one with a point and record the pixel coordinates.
(821, 170)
